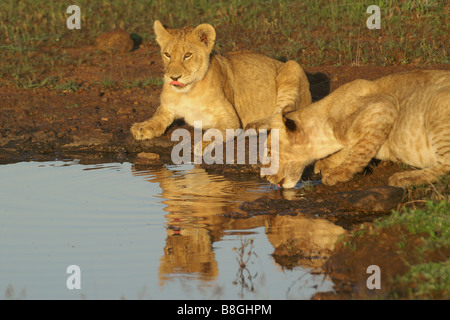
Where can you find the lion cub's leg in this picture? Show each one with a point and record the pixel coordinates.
(331, 161)
(292, 87)
(292, 93)
(366, 132)
(418, 177)
(153, 127)
(438, 134)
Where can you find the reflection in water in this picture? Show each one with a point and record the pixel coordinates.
(309, 241)
(160, 233)
(195, 203)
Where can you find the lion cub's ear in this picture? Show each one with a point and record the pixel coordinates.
(293, 128)
(206, 34)
(162, 35)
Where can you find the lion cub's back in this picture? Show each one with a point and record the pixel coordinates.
(423, 104)
(254, 84)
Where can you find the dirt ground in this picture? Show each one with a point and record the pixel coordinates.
(95, 119)
(97, 116)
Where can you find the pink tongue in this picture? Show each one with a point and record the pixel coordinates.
(176, 83)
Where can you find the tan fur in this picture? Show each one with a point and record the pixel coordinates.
(402, 117)
(223, 91)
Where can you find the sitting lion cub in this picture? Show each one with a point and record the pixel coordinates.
(224, 92)
(401, 117)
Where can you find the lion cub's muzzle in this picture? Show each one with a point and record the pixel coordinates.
(175, 82)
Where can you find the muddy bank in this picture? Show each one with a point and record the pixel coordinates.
(394, 250)
(104, 96)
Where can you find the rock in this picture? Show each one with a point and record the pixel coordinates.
(374, 199)
(117, 40)
(88, 140)
(147, 159)
(124, 110)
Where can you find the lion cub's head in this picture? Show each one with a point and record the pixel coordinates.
(294, 151)
(185, 53)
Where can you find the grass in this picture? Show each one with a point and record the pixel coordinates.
(143, 83)
(433, 221)
(311, 32)
(417, 196)
(426, 281)
(244, 277)
(69, 86)
(424, 247)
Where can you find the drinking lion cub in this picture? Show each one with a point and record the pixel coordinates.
(224, 92)
(401, 117)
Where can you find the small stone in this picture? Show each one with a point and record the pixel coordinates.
(124, 110)
(147, 158)
(374, 199)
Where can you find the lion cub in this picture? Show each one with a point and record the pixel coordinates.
(401, 117)
(224, 92)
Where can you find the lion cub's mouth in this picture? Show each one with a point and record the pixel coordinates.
(177, 84)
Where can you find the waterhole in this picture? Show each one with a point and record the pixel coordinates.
(160, 233)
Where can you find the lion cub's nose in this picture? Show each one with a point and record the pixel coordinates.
(175, 78)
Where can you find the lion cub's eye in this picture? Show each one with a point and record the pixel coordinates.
(187, 55)
(167, 55)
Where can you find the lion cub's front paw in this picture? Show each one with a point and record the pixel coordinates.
(329, 180)
(320, 166)
(142, 131)
(332, 176)
(258, 124)
(405, 179)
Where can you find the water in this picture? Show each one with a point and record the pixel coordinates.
(153, 234)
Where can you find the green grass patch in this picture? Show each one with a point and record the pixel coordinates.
(143, 83)
(288, 28)
(429, 273)
(33, 34)
(425, 281)
(432, 221)
(412, 248)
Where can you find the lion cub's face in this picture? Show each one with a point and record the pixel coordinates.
(185, 53)
(293, 155)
